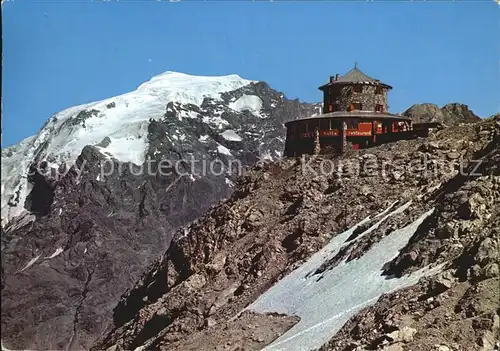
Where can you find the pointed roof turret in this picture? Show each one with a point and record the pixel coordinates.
(355, 76)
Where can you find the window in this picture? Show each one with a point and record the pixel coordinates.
(352, 124)
(379, 90)
(357, 88)
(379, 108)
(356, 106)
(324, 124)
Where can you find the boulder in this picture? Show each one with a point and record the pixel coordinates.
(449, 115)
(404, 334)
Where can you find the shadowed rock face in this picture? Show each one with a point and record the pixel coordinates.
(448, 115)
(93, 234)
(65, 300)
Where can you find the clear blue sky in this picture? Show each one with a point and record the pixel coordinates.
(62, 53)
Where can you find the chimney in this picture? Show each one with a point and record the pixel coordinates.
(332, 79)
(337, 76)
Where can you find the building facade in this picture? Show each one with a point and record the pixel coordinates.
(354, 92)
(355, 114)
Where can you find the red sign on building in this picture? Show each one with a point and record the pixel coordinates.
(333, 132)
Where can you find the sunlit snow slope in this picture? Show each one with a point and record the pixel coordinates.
(123, 119)
(325, 302)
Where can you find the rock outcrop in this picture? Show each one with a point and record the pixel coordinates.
(448, 115)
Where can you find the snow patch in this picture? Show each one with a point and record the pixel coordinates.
(185, 232)
(188, 114)
(131, 148)
(23, 219)
(58, 251)
(215, 121)
(325, 304)
(182, 137)
(231, 135)
(30, 263)
(224, 150)
(383, 216)
(251, 103)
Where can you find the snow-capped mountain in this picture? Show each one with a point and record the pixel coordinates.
(74, 239)
(220, 109)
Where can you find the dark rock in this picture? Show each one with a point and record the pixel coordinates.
(104, 142)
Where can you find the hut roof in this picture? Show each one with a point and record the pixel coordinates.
(354, 114)
(355, 76)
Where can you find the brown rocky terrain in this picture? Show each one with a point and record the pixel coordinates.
(249, 331)
(280, 214)
(448, 115)
(459, 308)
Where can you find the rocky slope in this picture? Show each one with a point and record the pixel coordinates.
(459, 308)
(448, 115)
(335, 238)
(91, 200)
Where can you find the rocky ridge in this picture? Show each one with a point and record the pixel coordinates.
(280, 214)
(448, 115)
